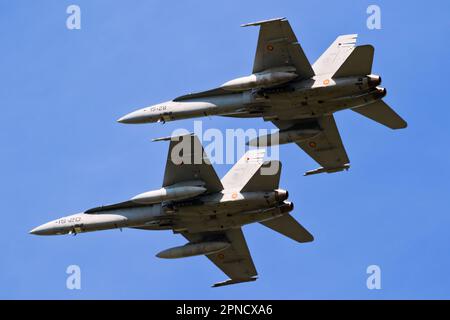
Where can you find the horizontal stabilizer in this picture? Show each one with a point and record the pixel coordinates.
(380, 112)
(289, 227)
(359, 63)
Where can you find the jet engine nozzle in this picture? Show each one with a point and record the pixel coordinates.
(168, 194)
(281, 195)
(380, 93)
(193, 249)
(286, 207)
(373, 80)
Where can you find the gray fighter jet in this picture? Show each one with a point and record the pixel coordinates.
(207, 211)
(299, 98)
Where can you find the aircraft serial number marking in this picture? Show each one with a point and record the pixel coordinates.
(158, 108)
(71, 220)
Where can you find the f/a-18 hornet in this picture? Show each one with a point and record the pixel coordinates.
(299, 98)
(207, 211)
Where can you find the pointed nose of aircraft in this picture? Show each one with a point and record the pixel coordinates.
(47, 229)
(41, 230)
(135, 117)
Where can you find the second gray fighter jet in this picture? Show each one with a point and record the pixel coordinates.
(207, 211)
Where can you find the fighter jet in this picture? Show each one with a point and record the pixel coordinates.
(297, 97)
(207, 211)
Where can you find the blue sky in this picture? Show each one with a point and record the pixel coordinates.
(61, 92)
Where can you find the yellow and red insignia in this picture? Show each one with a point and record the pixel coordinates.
(326, 82)
(234, 195)
(269, 47)
(312, 144)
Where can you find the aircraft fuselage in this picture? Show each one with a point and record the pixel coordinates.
(210, 212)
(299, 99)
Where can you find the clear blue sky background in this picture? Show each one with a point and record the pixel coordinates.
(62, 151)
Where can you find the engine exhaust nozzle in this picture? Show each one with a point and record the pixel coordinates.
(286, 207)
(281, 195)
(380, 93)
(374, 80)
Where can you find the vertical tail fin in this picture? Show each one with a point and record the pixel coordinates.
(244, 169)
(332, 59)
(251, 173)
(266, 178)
(358, 63)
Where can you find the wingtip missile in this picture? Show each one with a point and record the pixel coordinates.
(174, 137)
(233, 281)
(258, 23)
(327, 170)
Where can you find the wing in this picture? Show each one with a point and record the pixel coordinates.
(235, 261)
(278, 47)
(326, 148)
(187, 161)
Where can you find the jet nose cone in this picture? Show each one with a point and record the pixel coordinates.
(42, 230)
(125, 119)
(135, 117)
(36, 231)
